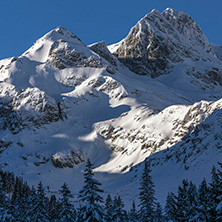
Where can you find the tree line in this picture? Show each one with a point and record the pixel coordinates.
(20, 203)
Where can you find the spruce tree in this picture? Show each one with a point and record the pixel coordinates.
(119, 214)
(158, 213)
(216, 194)
(215, 191)
(133, 214)
(183, 206)
(171, 207)
(66, 209)
(192, 201)
(36, 210)
(109, 205)
(204, 201)
(146, 195)
(4, 204)
(53, 209)
(89, 197)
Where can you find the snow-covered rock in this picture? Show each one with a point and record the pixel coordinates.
(159, 41)
(67, 102)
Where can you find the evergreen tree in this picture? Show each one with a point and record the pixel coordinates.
(119, 214)
(109, 205)
(146, 195)
(158, 213)
(133, 215)
(171, 207)
(17, 202)
(36, 210)
(183, 202)
(53, 209)
(215, 191)
(90, 209)
(4, 204)
(204, 200)
(192, 201)
(66, 210)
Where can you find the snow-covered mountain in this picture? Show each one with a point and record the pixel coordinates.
(157, 94)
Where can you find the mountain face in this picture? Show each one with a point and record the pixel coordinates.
(160, 41)
(156, 94)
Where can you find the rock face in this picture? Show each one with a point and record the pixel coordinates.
(71, 52)
(71, 159)
(101, 49)
(161, 40)
(62, 102)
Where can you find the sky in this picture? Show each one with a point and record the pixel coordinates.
(22, 22)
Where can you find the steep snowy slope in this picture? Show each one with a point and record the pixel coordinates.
(62, 102)
(218, 50)
(160, 42)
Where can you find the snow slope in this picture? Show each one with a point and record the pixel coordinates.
(63, 102)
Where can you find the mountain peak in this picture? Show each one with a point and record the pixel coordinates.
(43, 46)
(59, 33)
(160, 40)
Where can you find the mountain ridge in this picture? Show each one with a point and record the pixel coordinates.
(63, 102)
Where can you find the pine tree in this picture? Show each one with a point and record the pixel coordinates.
(53, 209)
(183, 202)
(90, 209)
(4, 204)
(216, 194)
(66, 210)
(158, 213)
(171, 207)
(146, 195)
(215, 191)
(133, 215)
(36, 210)
(109, 209)
(119, 214)
(17, 202)
(192, 201)
(204, 199)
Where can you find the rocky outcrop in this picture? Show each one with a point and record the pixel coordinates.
(159, 41)
(101, 49)
(71, 159)
(31, 107)
(65, 53)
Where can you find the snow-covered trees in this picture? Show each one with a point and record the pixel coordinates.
(133, 214)
(90, 199)
(66, 209)
(203, 202)
(19, 203)
(109, 205)
(119, 214)
(36, 210)
(171, 207)
(146, 195)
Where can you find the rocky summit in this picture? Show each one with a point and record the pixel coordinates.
(156, 94)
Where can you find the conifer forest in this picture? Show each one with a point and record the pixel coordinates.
(20, 203)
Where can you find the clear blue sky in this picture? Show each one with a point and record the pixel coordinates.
(22, 22)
